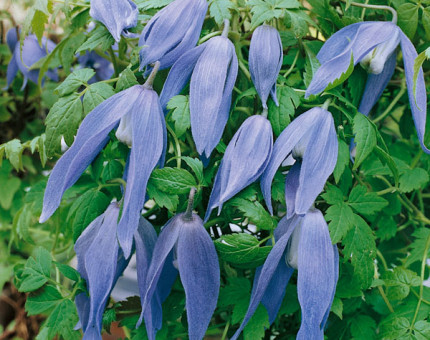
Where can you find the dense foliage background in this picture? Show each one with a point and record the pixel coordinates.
(377, 208)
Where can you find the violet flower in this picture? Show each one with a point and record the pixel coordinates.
(171, 32)
(373, 44)
(311, 139)
(117, 15)
(265, 61)
(302, 243)
(141, 126)
(213, 68)
(102, 66)
(185, 239)
(31, 53)
(245, 159)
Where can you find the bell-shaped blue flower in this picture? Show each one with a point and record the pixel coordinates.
(142, 126)
(185, 239)
(117, 15)
(265, 61)
(373, 44)
(100, 262)
(31, 53)
(102, 66)
(302, 243)
(171, 32)
(213, 68)
(311, 139)
(245, 159)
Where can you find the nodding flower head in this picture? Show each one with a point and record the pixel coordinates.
(171, 32)
(102, 66)
(373, 44)
(302, 243)
(184, 240)
(143, 127)
(265, 61)
(117, 15)
(245, 159)
(312, 139)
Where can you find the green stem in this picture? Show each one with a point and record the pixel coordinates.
(210, 35)
(286, 74)
(177, 147)
(386, 8)
(224, 334)
(390, 107)
(188, 216)
(114, 62)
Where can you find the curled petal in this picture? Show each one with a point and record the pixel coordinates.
(265, 60)
(200, 275)
(147, 147)
(244, 160)
(92, 136)
(12, 38)
(315, 282)
(116, 15)
(417, 100)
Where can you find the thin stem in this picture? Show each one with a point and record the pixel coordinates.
(224, 334)
(265, 112)
(188, 216)
(207, 37)
(177, 147)
(392, 104)
(386, 8)
(226, 28)
(113, 59)
(150, 81)
(286, 74)
(326, 104)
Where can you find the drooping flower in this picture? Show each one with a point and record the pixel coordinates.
(311, 139)
(31, 53)
(185, 239)
(373, 44)
(100, 262)
(117, 15)
(102, 66)
(302, 243)
(171, 32)
(265, 61)
(213, 68)
(245, 159)
(141, 126)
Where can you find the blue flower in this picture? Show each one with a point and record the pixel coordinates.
(213, 68)
(302, 243)
(117, 15)
(141, 126)
(185, 239)
(171, 32)
(100, 262)
(311, 139)
(31, 53)
(265, 61)
(102, 66)
(373, 44)
(245, 159)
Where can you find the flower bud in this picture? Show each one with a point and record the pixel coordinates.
(124, 132)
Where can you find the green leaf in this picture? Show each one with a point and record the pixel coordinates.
(197, 166)
(74, 81)
(344, 76)
(363, 327)
(113, 169)
(69, 272)
(419, 246)
(257, 325)
(422, 330)
(360, 247)
(297, 20)
(173, 180)
(148, 4)
(220, 10)
(21, 223)
(399, 282)
(42, 301)
(181, 114)
(62, 321)
(9, 187)
(168, 201)
(237, 294)
(365, 138)
(37, 271)
(387, 228)
(396, 329)
(95, 95)
(408, 19)
(280, 116)
(342, 160)
(341, 220)
(419, 61)
(311, 66)
(413, 179)
(243, 250)
(365, 202)
(14, 150)
(255, 212)
(97, 38)
(270, 9)
(126, 80)
(333, 195)
(426, 22)
(63, 120)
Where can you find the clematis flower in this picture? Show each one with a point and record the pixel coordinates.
(141, 126)
(265, 61)
(303, 244)
(213, 68)
(100, 262)
(171, 32)
(373, 44)
(311, 139)
(31, 53)
(102, 66)
(185, 239)
(117, 15)
(245, 159)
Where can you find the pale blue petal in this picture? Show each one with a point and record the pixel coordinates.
(12, 38)
(292, 182)
(336, 278)
(200, 274)
(417, 100)
(12, 70)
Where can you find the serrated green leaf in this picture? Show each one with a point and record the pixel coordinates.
(399, 282)
(96, 94)
(9, 187)
(255, 212)
(43, 300)
(344, 76)
(97, 38)
(280, 116)
(363, 327)
(419, 245)
(256, 326)
(333, 195)
(197, 166)
(62, 321)
(126, 80)
(181, 114)
(220, 10)
(69, 272)
(408, 18)
(343, 157)
(365, 202)
(168, 201)
(14, 150)
(37, 271)
(173, 180)
(311, 66)
(74, 81)
(365, 138)
(341, 220)
(270, 9)
(148, 4)
(413, 179)
(113, 169)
